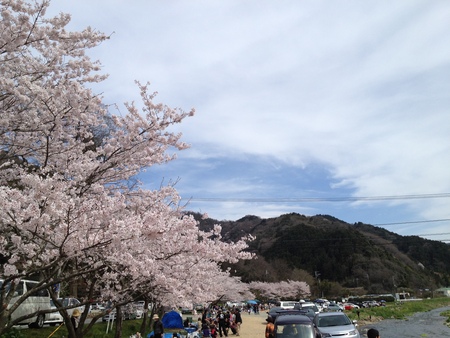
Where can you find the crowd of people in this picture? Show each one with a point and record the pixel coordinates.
(218, 322)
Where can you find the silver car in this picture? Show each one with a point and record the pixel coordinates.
(335, 324)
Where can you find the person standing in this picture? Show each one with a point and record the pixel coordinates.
(75, 319)
(158, 327)
(206, 331)
(237, 320)
(269, 327)
(222, 324)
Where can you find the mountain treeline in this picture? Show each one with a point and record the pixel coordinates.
(336, 257)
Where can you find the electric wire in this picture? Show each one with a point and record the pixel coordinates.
(320, 199)
(340, 199)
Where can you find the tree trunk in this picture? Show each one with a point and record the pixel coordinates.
(119, 319)
(143, 327)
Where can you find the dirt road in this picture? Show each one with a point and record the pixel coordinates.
(253, 326)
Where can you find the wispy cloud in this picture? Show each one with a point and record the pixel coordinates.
(293, 99)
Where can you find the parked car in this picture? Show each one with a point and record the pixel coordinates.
(288, 304)
(335, 324)
(97, 307)
(72, 303)
(294, 326)
(350, 306)
(200, 307)
(274, 311)
(139, 307)
(370, 303)
(307, 305)
(308, 312)
(128, 312)
(333, 308)
(140, 304)
(53, 318)
(186, 310)
(139, 313)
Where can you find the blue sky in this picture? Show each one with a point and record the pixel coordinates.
(298, 103)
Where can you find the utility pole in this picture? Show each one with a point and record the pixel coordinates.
(317, 275)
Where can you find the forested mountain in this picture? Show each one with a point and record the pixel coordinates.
(322, 248)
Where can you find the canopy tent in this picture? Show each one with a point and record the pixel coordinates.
(172, 320)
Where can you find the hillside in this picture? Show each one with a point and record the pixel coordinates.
(361, 257)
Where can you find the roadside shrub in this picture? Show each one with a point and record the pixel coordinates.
(13, 333)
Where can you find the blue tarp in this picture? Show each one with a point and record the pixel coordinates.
(172, 320)
(166, 335)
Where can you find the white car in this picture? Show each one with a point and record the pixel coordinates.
(97, 307)
(72, 303)
(335, 324)
(139, 313)
(53, 318)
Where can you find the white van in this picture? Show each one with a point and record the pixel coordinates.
(288, 304)
(37, 301)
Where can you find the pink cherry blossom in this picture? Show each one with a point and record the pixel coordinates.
(72, 210)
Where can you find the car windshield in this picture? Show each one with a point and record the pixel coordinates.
(333, 321)
(295, 331)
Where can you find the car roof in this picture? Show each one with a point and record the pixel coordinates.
(284, 319)
(295, 311)
(328, 314)
(276, 308)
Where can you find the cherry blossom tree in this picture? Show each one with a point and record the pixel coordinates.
(71, 207)
(281, 290)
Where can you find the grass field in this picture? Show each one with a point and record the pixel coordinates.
(129, 327)
(401, 310)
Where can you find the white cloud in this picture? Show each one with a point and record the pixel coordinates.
(359, 89)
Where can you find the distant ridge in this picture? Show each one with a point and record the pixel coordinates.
(353, 258)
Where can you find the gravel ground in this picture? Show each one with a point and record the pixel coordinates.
(424, 324)
(427, 324)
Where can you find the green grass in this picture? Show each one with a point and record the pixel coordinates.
(129, 327)
(401, 310)
(446, 314)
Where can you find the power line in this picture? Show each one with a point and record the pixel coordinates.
(414, 222)
(339, 199)
(320, 199)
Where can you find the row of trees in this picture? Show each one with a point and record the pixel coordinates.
(71, 208)
(289, 290)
